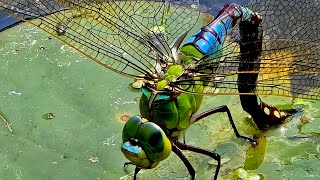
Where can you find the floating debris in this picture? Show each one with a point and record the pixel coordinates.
(124, 118)
(14, 93)
(110, 141)
(303, 121)
(137, 84)
(94, 159)
(33, 42)
(7, 123)
(48, 116)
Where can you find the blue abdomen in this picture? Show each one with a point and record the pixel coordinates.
(210, 38)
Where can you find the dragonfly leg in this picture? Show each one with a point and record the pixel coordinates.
(126, 164)
(136, 171)
(185, 161)
(220, 109)
(211, 154)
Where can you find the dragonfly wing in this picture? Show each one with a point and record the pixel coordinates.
(289, 64)
(114, 34)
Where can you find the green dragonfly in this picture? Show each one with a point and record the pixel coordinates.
(179, 52)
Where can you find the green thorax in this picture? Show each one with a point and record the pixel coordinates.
(167, 75)
(172, 112)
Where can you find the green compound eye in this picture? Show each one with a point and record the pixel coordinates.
(154, 141)
(144, 143)
(131, 127)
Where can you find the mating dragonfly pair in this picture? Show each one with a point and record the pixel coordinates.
(180, 53)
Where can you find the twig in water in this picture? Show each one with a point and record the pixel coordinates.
(7, 123)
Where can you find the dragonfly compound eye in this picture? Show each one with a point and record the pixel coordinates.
(144, 143)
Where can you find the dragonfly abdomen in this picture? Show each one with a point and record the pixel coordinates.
(210, 38)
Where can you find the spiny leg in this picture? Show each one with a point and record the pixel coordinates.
(211, 154)
(185, 161)
(219, 109)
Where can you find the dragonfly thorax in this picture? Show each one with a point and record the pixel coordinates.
(161, 80)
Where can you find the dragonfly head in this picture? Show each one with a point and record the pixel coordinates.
(144, 143)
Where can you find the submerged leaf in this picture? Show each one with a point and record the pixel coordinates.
(304, 102)
(244, 175)
(255, 155)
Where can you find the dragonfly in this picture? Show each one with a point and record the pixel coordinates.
(180, 52)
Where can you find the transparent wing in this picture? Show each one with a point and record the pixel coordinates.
(290, 58)
(112, 33)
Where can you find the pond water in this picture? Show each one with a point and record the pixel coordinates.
(66, 115)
